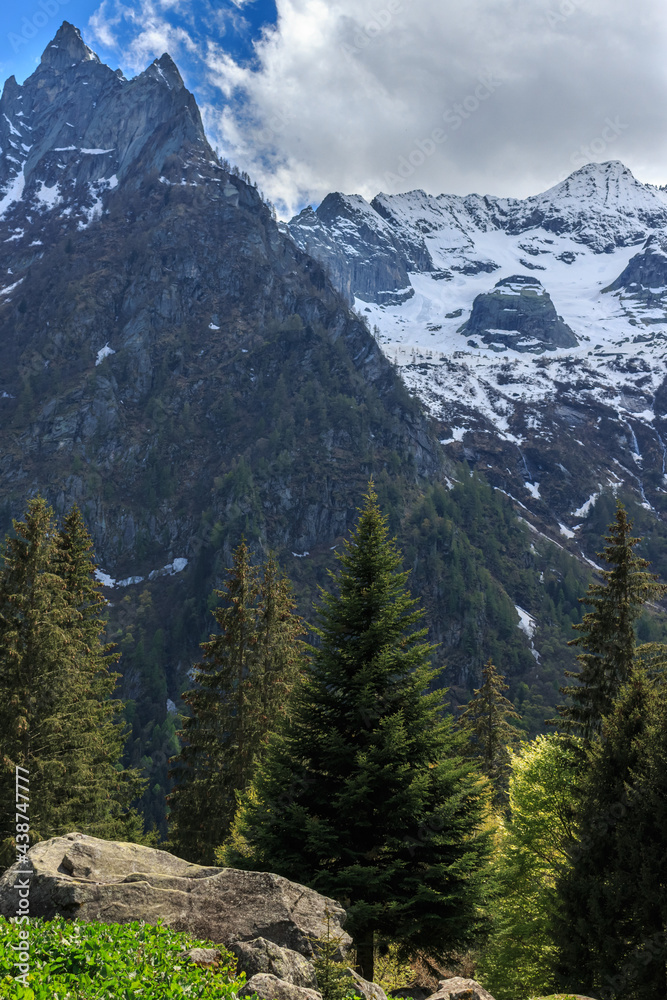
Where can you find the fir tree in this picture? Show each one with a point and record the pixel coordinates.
(279, 654)
(365, 795)
(612, 920)
(491, 734)
(243, 684)
(97, 796)
(56, 716)
(608, 631)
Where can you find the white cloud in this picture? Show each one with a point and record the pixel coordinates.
(152, 33)
(495, 96)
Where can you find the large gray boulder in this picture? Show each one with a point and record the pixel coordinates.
(260, 956)
(89, 879)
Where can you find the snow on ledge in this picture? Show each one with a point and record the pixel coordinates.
(585, 508)
(527, 623)
(104, 352)
(177, 566)
(456, 435)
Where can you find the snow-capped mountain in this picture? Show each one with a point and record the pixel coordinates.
(534, 330)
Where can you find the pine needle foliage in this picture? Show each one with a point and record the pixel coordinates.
(366, 795)
(486, 721)
(334, 980)
(608, 635)
(242, 687)
(58, 717)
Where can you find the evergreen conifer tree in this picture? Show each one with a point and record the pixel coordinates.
(242, 686)
(279, 654)
(611, 931)
(57, 718)
(608, 631)
(365, 795)
(486, 720)
(98, 792)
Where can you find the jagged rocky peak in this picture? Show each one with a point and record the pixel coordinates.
(366, 256)
(77, 129)
(518, 314)
(359, 250)
(165, 69)
(66, 48)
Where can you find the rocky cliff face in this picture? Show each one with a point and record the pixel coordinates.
(518, 313)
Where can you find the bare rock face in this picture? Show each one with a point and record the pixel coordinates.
(460, 989)
(518, 313)
(90, 879)
(269, 987)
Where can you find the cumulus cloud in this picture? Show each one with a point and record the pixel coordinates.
(495, 96)
(151, 31)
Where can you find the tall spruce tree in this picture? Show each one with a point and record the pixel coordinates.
(608, 631)
(242, 687)
(280, 651)
(366, 795)
(57, 718)
(611, 931)
(486, 721)
(98, 792)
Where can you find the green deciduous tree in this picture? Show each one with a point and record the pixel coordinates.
(57, 715)
(486, 721)
(242, 687)
(530, 852)
(366, 795)
(608, 631)
(612, 922)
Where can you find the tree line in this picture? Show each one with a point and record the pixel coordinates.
(335, 764)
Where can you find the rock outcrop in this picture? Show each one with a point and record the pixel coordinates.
(362, 255)
(262, 957)
(519, 314)
(256, 912)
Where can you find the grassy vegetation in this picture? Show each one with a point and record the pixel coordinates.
(90, 961)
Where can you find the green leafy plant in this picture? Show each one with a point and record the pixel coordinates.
(91, 961)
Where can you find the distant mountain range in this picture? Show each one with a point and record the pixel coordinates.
(534, 331)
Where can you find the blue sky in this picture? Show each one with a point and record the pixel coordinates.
(26, 30)
(501, 97)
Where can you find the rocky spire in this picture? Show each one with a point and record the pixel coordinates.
(66, 48)
(166, 71)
